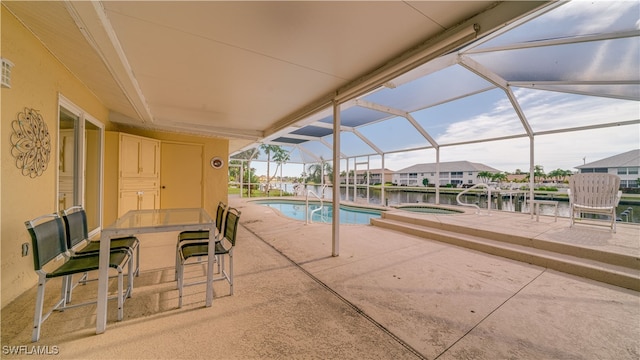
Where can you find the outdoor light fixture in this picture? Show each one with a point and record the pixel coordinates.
(6, 73)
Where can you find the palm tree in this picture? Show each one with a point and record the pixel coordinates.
(316, 171)
(559, 175)
(485, 176)
(328, 170)
(280, 156)
(538, 173)
(499, 177)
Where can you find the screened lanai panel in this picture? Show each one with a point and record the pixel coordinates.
(288, 140)
(315, 131)
(441, 86)
(297, 156)
(318, 149)
(351, 145)
(482, 116)
(619, 91)
(576, 18)
(504, 155)
(355, 116)
(606, 60)
(552, 63)
(546, 110)
(262, 154)
(394, 134)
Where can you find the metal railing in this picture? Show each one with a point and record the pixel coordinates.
(309, 217)
(475, 205)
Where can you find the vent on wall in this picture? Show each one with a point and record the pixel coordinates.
(6, 73)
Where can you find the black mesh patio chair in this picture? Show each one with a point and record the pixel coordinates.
(224, 247)
(201, 235)
(76, 229)
(50, 247)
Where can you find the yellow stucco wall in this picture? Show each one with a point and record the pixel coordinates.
(215, 181)
(37, 80)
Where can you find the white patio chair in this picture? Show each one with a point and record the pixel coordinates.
(594, 193)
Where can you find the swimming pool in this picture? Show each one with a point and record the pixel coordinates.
(296, 210)
(426, 209)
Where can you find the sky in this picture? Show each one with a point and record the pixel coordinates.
(490, 114)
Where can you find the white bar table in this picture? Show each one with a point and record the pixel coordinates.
(150, 221)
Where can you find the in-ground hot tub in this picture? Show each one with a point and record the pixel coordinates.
(430, 209)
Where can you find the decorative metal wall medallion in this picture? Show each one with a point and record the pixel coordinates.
(31, 143)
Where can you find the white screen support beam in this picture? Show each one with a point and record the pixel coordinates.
(335, 223)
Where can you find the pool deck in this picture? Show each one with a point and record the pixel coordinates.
(387, 295)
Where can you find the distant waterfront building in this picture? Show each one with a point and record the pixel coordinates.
(625, 165)
(454, 172)
(374, 177)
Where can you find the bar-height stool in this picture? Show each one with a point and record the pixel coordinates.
(201, 236)
(76, 229)
(50, 244)
(222, 248)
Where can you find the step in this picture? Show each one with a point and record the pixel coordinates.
(617, 275)
(618, 259)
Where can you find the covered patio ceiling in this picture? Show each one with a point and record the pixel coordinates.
(244, 70)
(527, 79)
(408, 75)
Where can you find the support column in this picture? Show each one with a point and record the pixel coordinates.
(346, 180)
(368, 178)
(438, 176)
(532, 171)
(382, 199)
(241, 177)
(335, 224)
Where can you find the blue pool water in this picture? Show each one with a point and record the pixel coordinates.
(296, 210)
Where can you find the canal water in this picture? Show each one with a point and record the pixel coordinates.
(625, 212)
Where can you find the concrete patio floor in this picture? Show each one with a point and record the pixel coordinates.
(387, 296)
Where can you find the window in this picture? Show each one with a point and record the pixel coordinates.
(630, 171)
(456, 175)
(413, 175)
(444, 175)
(594, 170)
